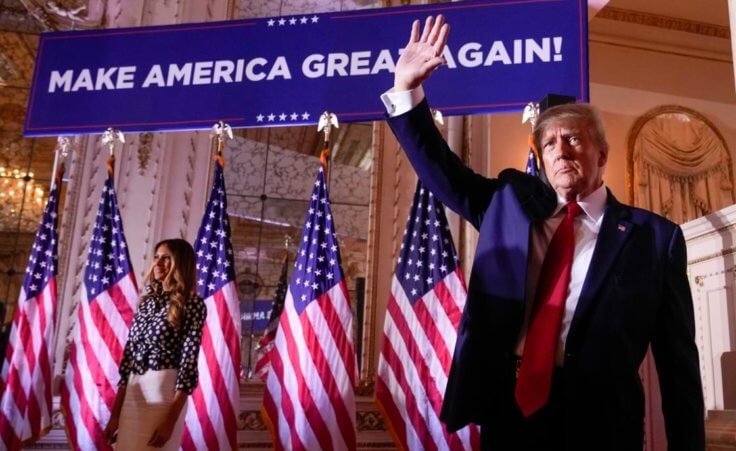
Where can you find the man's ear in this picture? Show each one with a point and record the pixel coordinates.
(603, 159)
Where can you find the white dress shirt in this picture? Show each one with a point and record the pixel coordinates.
(399, 102)
(587, 226)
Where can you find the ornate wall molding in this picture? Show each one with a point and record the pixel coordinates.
(664, 22)
(65, 14)
(144, 151)
(681, 177)
(718, 254)
(374, 219)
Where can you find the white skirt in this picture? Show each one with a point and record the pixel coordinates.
(147, 401)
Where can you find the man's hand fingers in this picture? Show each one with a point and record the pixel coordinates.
(439, 45)
(414, 37)
(427, 28)
(435, 31)
(432, 64)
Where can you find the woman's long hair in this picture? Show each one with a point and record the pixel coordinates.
(180, 279)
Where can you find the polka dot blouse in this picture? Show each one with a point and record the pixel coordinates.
(154, 344)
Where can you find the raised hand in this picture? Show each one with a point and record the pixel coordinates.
(422, 55)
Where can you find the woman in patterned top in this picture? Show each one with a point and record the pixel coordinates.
(159, 366)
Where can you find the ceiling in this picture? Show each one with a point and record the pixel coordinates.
(710, 12)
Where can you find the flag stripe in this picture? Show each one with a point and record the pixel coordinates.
(270, 411)
(322, 317)
(88, 399)
(306, 385)
(417, 375)
(390, 409)
(409, 386)
(215, 394)
(277, 388)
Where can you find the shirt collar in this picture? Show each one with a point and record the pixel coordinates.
(156, 288)
(593, 205)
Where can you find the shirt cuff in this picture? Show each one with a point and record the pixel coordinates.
(398, 103)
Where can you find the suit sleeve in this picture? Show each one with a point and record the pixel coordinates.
(458, 187)
(676, 355)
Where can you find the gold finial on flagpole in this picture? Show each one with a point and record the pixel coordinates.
(221, 131)
(438, 117)
(530, 114)
(326, 122)
(61, 152)
(109, 138)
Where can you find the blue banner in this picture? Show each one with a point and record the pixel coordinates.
(281, 71)
(254, 315)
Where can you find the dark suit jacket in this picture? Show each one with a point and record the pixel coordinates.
(635, 294)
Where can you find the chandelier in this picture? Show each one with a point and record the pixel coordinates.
(21, 200)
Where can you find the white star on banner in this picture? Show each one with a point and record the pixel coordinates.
(271, 22)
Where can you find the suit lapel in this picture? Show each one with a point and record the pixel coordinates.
(615, 231)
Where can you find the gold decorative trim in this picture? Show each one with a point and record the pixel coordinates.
(724, 59)
(651, 114)
(144, 151)
(665, 22)
(369, 420)
(252, 420)
(366, 386)
(374, 218)
(721, 253)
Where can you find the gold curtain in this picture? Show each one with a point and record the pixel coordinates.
(681, 166)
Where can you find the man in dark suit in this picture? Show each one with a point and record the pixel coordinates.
(568, 289)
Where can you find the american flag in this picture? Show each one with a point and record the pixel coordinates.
(25, 408)
(309, 400)
(266, 343)
(211, 419)
(104, 316)
(419, 333)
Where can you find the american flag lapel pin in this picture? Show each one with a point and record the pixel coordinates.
(621, 228)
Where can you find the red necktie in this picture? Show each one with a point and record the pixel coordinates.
(537, 362)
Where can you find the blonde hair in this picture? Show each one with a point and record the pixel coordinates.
(180, 279)
(572, 113)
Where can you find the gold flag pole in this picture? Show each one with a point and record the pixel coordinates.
(63, 146)
(531, 113)
(109, 138)
(221, 131)
(326, 122)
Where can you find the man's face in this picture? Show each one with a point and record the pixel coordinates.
(573, 161)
